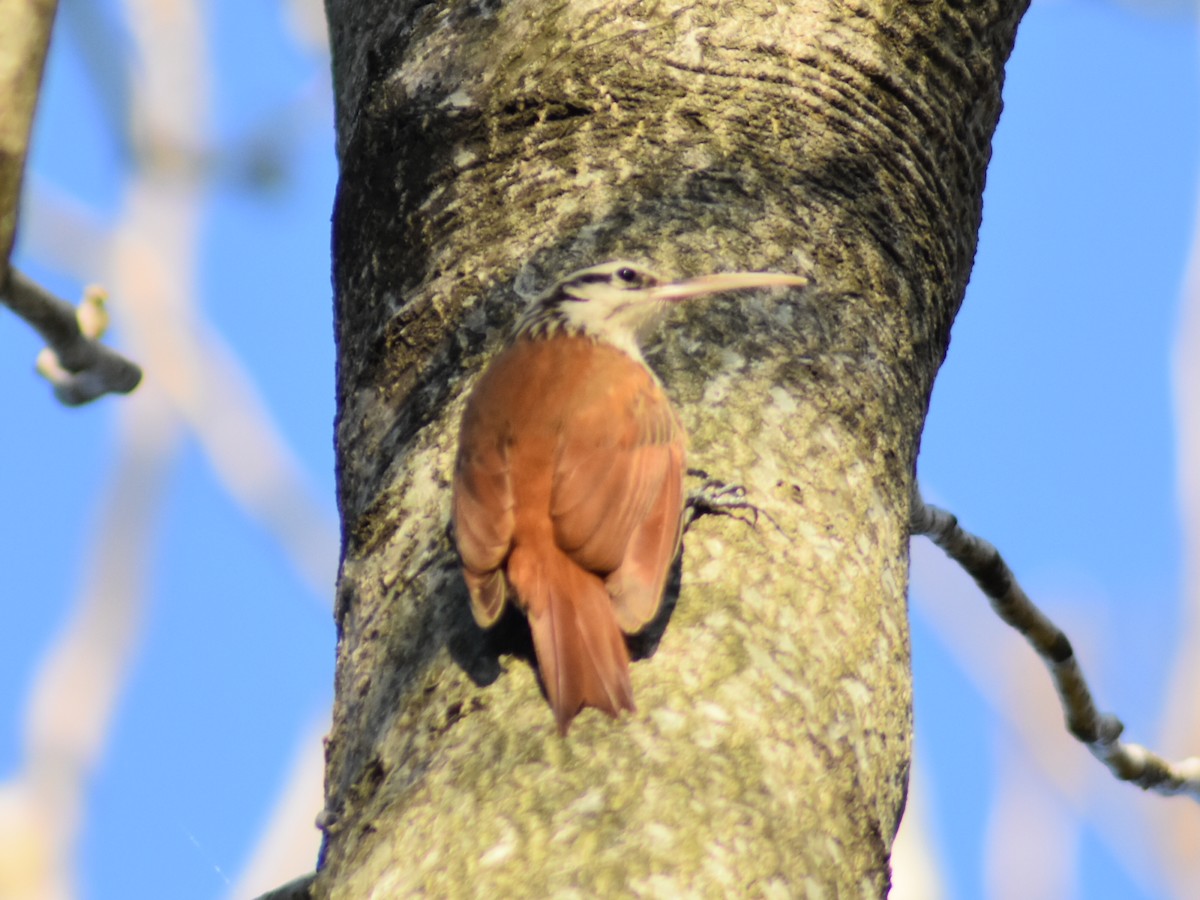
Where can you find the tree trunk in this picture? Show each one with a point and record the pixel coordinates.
(488, 148)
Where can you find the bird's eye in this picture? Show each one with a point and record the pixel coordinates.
(627, 275)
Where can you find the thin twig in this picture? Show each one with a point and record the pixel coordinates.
(75, 362)
(1100, 732)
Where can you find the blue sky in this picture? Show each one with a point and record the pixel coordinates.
(1051, 428)
(1050, 433)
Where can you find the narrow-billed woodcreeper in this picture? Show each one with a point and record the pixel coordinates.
(568, 485)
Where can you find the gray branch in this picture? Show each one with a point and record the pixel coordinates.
(76, 363)
(1100, 732)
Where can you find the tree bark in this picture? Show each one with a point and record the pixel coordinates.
(486, 149)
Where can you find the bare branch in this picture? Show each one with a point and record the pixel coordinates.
(79, 368)
(1006, 677)
(75, 362)
(1100, 732)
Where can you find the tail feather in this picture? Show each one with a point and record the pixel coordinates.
(580, 650)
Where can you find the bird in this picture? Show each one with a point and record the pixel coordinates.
(568, 487)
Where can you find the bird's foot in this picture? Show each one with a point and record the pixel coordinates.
(716, 498)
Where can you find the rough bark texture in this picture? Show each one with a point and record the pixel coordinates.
(487, 148)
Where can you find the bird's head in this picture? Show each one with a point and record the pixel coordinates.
(620, 301)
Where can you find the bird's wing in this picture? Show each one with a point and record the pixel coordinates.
(617, 495)
(483, 523)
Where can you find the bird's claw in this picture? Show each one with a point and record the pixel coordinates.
(716, 498)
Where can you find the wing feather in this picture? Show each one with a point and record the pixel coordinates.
(483, 526)
(636, 586)
(617, 496)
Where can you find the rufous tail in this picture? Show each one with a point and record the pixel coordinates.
(580, 650)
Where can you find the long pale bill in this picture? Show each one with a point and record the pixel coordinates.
(724, 281)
